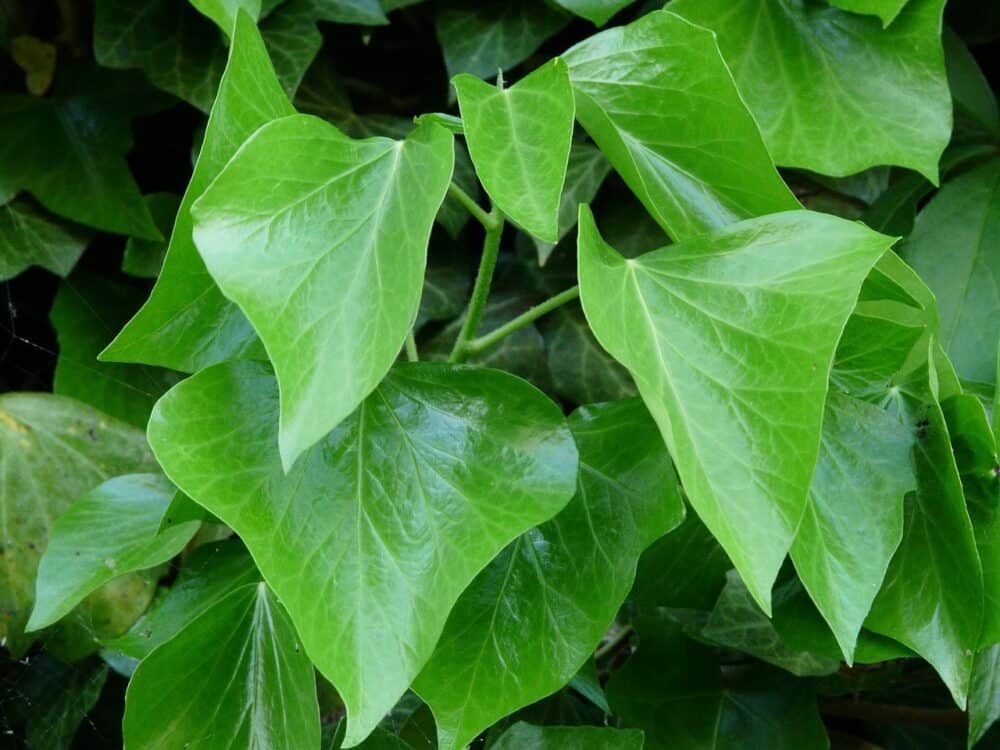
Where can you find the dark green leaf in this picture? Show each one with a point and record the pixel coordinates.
(30, 236)
(144, 258)
(523, 736)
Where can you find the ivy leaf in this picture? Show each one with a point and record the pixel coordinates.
(69, 153)
(977, 116)
(86, 312)
(223, 12)
(523, 736)
(372, 536)
(110, 531)
(212, 572)
(955, 247)
(834, 92)
(529, 621)
(144, 258)
(484, 37)
(698, 172)
(854, 518)
(984, 693)
(743, 429)
(886, 10)
(186, 324)
(37, 433)
(327, 262)
(519, 139)
(255, 686)
(30, 236)
(598, 12)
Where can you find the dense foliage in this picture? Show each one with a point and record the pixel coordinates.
(528, 374)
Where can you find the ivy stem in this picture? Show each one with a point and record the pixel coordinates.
(495, 336)
(488, 220)
(411, 348)
(494, 224)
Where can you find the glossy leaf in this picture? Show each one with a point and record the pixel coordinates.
(886, 10)
(523, 736)
(110, 531)
(186, 324)
(692, 173)
(854, 518)
(832, 91)
(528, 622)
(38, 432)
(372, 536)
(599, 12)
(30, 236)
(254, 685)
(955, 247)
(223, 12)
(730, 338)
(144, 258)
(519, 140)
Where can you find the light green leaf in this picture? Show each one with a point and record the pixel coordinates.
(39, 432)
(886, 10)
(598, 12)
(932, 597)
(984, 693)
(223, 12)
(834, 92)
(529, 621)
(692, 173)
(255, 686)
(519, 139)
(212, 572)
(487, 36)
(110, 531)
(69, 153)
(730, 338)
(854, 519)
(523, 736)
(86, 313)
(322, 241)
(30, 236)
(181, 509)
(955, 247)
(373, 535)
(186, 324)
(144, 258)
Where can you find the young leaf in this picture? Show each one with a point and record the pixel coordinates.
(528, 622)
(186, 324)
(374, 533)
(854, 519)
(523, 736)
(110, 531)
(322, 241)
(30, 236)
(834, 92)
(519, 139)
(692, 173)
(730, 338)
(254, 687)
(40, 433)
(955, 247)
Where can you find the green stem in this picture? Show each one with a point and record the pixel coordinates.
(495, 336)
(481, 290)
(488, 220)
(411, 348)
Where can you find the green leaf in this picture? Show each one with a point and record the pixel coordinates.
(598, 12)
(110, 531)
(955, 247)
(38, 433)
(212, 572)
(69, 153)
(984, 693)
(854, 519)
(255, 686)
(144, 258)
(921, 604)
(181, 509)
(86, 313)
(223, 12)
(487, 36)
(372, 536)
(308, 258)
(523, 736)
(30, 236)
(977, 116)
(519, 139)
(834, 92)
(186, 324)
(730, 338)
(886, 10)
(529, 621)
(673, 690)
(694, 173)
